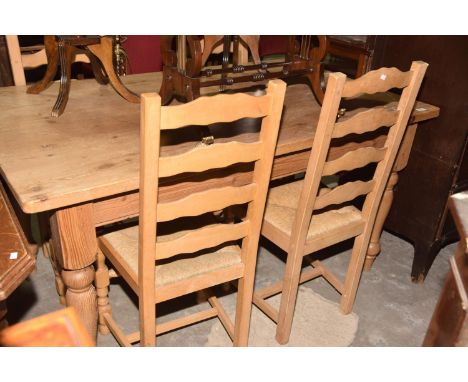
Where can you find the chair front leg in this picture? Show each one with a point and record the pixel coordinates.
(291, 278)
(353, 274)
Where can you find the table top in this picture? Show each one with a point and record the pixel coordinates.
(92, 150)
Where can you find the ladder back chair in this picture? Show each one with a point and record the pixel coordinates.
(150, 262)
(302, 217)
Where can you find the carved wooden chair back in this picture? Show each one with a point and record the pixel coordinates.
(24, 58)
(224, 261)
(322, 216)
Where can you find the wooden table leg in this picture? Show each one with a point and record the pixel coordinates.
(52, 65)
(66, 54)
(99, 73)
(75, 247)
(104, 53)
(252, 43)
(81, 294)
(387, 199)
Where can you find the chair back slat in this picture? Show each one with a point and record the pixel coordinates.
(366, 121)
(206, 201)
(377, 81)
(354, 159)
(218, 109)
(206, 237)
(344, 193)
(203, 158)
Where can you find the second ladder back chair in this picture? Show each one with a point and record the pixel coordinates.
(302, 217)
(161, 267)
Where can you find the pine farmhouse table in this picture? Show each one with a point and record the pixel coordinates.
(82, 168)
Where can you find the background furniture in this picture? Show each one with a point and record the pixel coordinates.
(90, 161)
(359, 49)
(351, 55)
(449, 323)
(438, 163)
(63, 51)
(184, 71)
(17, 257)
(30, 57)
(303, 217)
(61, 328)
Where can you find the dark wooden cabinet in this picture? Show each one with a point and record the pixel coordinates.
(438, 164)
(6, 78)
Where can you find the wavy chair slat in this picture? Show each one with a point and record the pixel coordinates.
(204, 158)
(216, 109)
(206, 237)
(377, 81)
(366, 121)
(344, 193)
(206, 201)
(354, 159)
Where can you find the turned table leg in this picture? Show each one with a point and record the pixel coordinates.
(98, 71)
(385, 204)
(81, 295)
(387, 199)
(75, 247)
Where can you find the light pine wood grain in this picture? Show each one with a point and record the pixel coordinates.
(380, 80)
(206, 201)
(354, 159)
(366, 121)
(195, 113)
(206, 237)
(202, 157)
(149, 177)
(344, 193)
